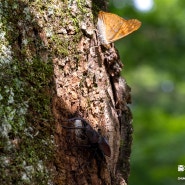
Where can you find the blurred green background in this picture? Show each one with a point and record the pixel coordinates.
(154, 67)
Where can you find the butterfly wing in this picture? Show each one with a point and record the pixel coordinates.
(116, 27)
(111, 23)
(128, 26)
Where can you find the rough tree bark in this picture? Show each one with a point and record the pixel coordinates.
(44, 37)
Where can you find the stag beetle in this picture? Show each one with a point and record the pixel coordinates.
(94, 138)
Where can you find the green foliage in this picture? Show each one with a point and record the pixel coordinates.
(154, 66)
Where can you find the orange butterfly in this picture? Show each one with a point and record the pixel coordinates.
(111, 27)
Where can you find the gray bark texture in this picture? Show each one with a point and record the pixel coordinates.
(53, 68)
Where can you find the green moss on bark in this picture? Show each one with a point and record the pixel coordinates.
(26, 133)
(32, 33)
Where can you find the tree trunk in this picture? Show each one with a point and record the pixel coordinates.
(39, 39)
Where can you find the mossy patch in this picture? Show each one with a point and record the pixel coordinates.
(26, 133)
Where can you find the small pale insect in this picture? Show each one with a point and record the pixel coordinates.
(111, 27)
